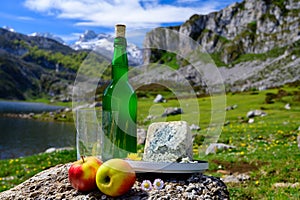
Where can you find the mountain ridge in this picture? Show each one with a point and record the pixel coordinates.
(255, 44)
(35, 67)
(49, 36)
(246, 40)
(103, 44)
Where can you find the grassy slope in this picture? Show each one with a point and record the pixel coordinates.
(266, 149)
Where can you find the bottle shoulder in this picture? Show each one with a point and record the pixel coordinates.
(119, 86)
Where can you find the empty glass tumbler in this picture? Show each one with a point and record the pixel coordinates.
(88, 136)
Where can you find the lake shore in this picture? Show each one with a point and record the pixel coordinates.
(35, 110)
(7, 106)
(41, 111)
(64, 115)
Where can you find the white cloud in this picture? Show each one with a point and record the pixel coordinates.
(15, 17)
(187, 1)
(25, 18)
(134, 13)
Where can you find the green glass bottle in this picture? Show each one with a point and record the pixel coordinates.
(119, 105)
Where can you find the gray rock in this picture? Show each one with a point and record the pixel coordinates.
(53, 183)
(286, 185)
(141, 135)
(243, 177)
(230, 179)
(231, 107)
(236, 178)
(150, 117)
(159, 99)
(256, 113)
(53, 149)
(67, 110)
(287, 106)
(172, 111)
(195, 127)
(212, 148)
(168, 142)
(251, 121)
(50, 150)
(226, 123)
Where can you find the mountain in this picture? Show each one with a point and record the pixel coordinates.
(9, 28)
(42, 66)
(103, 44)
(35, 67)
(255, 44)
(48, 35)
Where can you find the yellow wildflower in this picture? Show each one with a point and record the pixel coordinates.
(134, 156)
(243, 144)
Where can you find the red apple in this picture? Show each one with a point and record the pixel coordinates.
(115, 177)
(82, 173)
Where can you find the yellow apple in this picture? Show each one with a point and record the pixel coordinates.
(115, 177)
(82, 173)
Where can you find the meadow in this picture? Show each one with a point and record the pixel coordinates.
(265, 150)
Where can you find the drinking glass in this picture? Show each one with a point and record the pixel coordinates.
(89, 133)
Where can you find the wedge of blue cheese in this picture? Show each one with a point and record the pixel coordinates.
(168, 142)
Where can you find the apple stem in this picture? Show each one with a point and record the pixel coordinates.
(82, 157)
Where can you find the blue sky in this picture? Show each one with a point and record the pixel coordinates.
(70, 18)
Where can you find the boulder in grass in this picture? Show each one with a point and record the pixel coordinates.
(231, 107)
(141, 136)
(195, 127)
(251, 121)
(159, 99)
(256, 113)
(287, 106)
(172, 111)
(212, 148)
(168, 142)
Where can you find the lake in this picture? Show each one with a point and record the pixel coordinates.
(25, 107)
(23, 137)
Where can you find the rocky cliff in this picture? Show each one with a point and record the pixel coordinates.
(255, 43)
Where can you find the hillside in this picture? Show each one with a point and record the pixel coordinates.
(255, 44)
(36, 67)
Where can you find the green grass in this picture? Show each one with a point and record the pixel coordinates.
(266, 150)
(15, 171)
(71, 61)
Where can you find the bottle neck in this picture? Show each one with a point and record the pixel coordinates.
(120, 60)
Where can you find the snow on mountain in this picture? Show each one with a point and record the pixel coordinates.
(48, 35)
(9, 28)
(103, 43)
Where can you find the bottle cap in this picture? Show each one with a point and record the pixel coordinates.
(120, 30)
